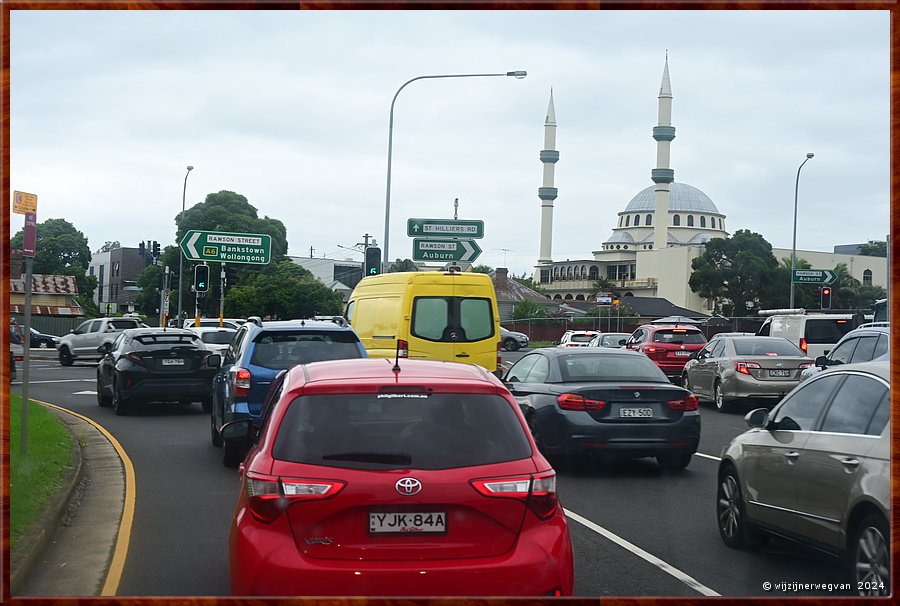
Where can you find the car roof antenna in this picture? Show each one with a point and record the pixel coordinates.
(396, 367)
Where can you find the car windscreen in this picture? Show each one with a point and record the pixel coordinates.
(678, 336)
(610, 367)
(168, 341)
(381, 431)
(283, 349)
(218, 337)
(766, 347)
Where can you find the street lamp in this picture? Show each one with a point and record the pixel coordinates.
(794, 245)
(518, 75)
(181, 252)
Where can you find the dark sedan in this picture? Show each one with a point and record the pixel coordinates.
(602, 401)
(155, 364)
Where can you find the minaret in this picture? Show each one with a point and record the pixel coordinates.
(547, 193)
(662, 175)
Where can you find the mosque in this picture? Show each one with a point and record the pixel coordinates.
(660, 231)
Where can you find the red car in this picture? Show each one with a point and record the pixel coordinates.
(668, 345)
(370, 480)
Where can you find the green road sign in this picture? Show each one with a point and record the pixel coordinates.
(226, 247)
(814, 276)
(444, 228)
(445, 250)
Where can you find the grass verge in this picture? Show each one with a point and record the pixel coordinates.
(36, 476)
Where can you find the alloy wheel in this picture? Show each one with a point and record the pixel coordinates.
(729, 510)
(871, 563)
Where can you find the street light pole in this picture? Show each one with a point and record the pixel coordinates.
(386, 259)
(181, 252)
(794, 244)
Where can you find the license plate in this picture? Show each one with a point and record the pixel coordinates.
(682, 353)
(172, 362)
(636, 412)
(386, 522)
(779, 373)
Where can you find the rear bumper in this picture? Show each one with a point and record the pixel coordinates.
(740, 386)
(170, 389)
(264, 561)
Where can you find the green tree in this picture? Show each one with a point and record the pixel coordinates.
(482, 269)
(877, 248)
(282, 290)
(736, 269)
(61, 250)
(602, 284)
(404, 265)
(776, 293)
(529, 309)
(148, 282)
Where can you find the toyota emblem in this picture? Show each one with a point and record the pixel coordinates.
(408, 486)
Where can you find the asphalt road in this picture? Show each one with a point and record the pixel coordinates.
(637, 530)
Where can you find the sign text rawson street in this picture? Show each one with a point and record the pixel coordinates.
(445, 250)
(227, 247)
(814, 276)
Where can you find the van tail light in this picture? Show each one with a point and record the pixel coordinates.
(575, 401)
(133, 357)
(241, 378)
(268, 496)
(744, 367)
(803, 346)
(687, 404)
(537, 490)
(402, 348)
(805, 365)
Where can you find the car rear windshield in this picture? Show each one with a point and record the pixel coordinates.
(124, 324)
(678, 336)
(168, 341)
(766, 347)
(582, 338)
(217, 338)
(283, 349)
(452, 319)
(826, 330)
(611, 367)
(401, 430)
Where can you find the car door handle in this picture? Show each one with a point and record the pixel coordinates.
(851, 463)
(792, 455)
(462, 355)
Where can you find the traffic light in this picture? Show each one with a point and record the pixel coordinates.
(201, 278)
(373, 261)
(141, 249)
(825, 297)
(155, 248)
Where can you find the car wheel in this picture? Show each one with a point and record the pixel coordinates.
(871, 556)
(214, 435)
(735, 530)
(535, 431)
(231, 456)
(674, 461)
(510, 345)
(102, 399)
(723, 404)
(65, 358)
(120, 404)
(44, 345)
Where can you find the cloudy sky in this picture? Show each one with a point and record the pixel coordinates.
(290, 109)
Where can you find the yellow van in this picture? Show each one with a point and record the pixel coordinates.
(442, 316)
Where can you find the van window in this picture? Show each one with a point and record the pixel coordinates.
(452, 319)
(475, 318)
(825, 330)
(430, 318)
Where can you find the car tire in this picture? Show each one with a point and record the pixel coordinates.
(102, 399)
(214, 435)
(65, 357)
(723, 404)
(119, 404)
(674, 461)
(510, 345)
(44, 345)
(230, 454)
(532, 422)
(735, 530)
(870, 556)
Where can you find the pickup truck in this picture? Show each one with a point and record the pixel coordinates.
(83, 341)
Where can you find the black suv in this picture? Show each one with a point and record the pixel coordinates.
(258, 352)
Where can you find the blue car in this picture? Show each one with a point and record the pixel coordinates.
(258, 352)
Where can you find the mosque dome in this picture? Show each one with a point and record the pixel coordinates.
(682, 198)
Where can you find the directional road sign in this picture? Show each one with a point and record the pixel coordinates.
(445, 249)
(24, 203)
(814, 276)
(226, 247)
(444, 228)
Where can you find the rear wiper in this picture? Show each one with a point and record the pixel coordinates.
(385, 458)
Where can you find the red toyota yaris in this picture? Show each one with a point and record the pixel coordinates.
(366, 479)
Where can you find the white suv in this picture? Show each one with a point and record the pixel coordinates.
(83, 341)
(577, 338)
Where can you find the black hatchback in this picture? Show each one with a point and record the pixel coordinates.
(155, 364)
(605, 401)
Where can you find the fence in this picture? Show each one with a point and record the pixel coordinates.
(51, 325)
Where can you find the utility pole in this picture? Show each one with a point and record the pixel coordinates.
(311, 249)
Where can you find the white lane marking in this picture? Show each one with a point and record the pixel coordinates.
(62, 381)
(664, 566)
(706, 456)
(84, 393)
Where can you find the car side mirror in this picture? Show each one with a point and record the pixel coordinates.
(757, 418)
(696, 356)
(621, 342)
(512, 379)
(105, 348)
(822, 361)
(214, 360)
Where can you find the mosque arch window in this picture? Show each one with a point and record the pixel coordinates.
(867, 277)
(557, 297)
(648, 220)
(584, 271)
(721, 226)
(676, 220)
(637, 220)
(569, 272)
(628, 221)
(712, 222)
(568, 297)
(594, 272)
(702, 221)
(620, 221)
(579, 297)
(690, 220)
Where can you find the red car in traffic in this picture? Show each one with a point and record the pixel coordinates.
(668, 345)
(366, 479)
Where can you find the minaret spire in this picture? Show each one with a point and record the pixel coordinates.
(547, 192)
(662, 175)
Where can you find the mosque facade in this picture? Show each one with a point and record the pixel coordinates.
(661, 230)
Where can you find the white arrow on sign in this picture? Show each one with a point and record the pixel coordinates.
(190, 245)
(471, 251)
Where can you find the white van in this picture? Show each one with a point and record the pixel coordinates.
(814, 334)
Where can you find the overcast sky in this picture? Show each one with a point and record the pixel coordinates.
(290, 109)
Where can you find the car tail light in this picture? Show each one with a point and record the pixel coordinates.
(537, 490)
(805, 365)
(268, 496)
(744, 367)
(650, 350)
(803, 346)
(20, 358)
(687, 404)
(133, 357)
(574, 401)
(241, 378)
(499, 356)
(402, 348)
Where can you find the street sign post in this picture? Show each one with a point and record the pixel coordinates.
(445, 249)
(226, 247)
(444, 228)
(24, 203)
(814, 276)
